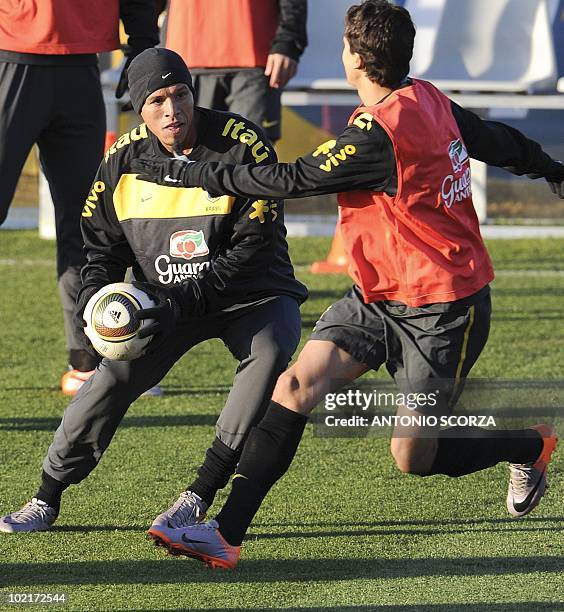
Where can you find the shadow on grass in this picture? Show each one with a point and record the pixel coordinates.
(416, 522)
(169, 390)
(50, 424)
(525, 606)
(443, 527)
(544, 291)
(309, 323)
(321, 294)
(393, 532)
(264, 570)
(544, 316)
(370, 528)
(141, 529)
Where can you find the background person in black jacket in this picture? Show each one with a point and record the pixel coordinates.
(50, 94)
(242, 53)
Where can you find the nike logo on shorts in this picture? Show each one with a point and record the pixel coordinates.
(268, 124)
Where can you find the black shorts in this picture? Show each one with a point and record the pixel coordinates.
(424, 348)
(246, 92)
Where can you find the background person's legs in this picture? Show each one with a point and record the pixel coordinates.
(212, 90)
(245, 92)
(251, 97)
(71, 148)
(25, 106)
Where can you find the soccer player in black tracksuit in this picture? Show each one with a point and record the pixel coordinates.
(216, 268)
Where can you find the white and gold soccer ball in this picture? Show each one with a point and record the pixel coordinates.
(110, 324)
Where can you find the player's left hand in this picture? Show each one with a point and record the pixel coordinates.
(166, 313)
(134, 48)
(555, 180)
(83, 298)
(167, 172)
(280, 68)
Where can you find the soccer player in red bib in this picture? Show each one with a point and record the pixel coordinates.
(420, 303)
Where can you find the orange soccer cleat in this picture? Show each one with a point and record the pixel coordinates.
(73, 380)
(201, 541)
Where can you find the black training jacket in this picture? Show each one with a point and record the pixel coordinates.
(227, 251)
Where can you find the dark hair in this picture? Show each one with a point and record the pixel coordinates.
(382, 34)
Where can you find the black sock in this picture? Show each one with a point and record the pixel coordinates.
(214, 473)
(50, 491)
(463, 450)
(82, 360)
(267, 454)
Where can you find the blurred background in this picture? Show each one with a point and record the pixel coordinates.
(504, 59)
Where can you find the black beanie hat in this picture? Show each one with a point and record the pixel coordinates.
(152, 69)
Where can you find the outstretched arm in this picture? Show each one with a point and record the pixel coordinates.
(498, 144)
(360, 158)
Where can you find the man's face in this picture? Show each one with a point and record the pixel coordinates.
(169, 114)
(351, 62)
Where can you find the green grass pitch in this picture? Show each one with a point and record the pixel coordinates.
(344, 530)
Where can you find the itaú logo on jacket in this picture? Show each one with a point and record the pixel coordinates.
(457, 186)
(188, 244)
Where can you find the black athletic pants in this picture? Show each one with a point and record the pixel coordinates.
(61, 108)
(261, 337)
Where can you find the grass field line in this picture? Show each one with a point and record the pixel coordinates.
(502, 272)
(10, 262)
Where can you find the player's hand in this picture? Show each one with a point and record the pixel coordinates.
(82, 299)
(134, 48)
(280, 68)
(122, 83)
(555, 180)
(166, 312)
(167, 172)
